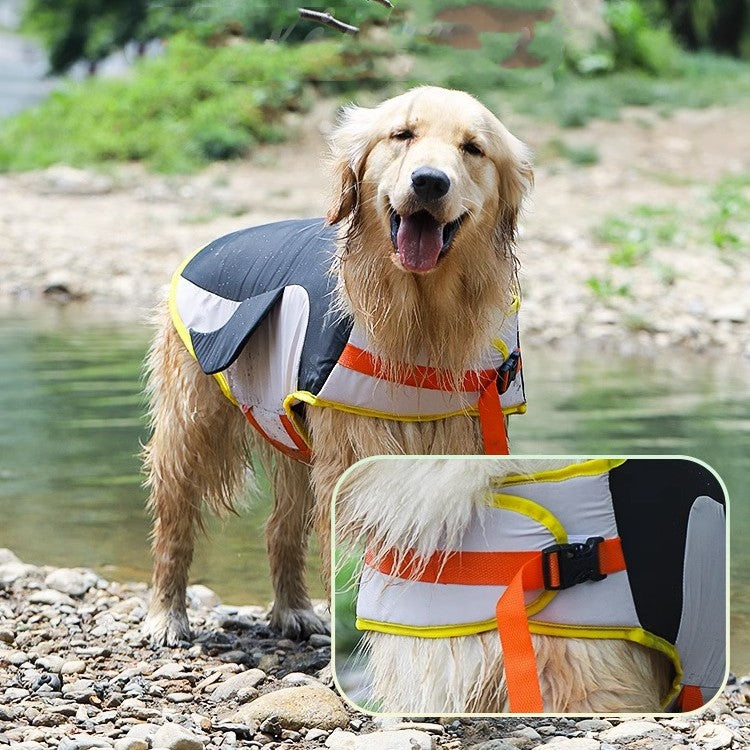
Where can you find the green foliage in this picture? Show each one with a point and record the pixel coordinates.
(729, 215)
(634, 236)
(638, 42)
(179, 111)
(605, 288)
(583, 155)
(73, 30)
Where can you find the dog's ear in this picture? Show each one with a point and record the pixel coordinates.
(516, 178)
(350, 143)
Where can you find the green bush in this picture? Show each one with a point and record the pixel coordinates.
(638, 42)
(192, 105)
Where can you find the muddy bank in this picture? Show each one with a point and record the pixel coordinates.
(636, 235)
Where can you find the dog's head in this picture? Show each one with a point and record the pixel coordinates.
(428, 170)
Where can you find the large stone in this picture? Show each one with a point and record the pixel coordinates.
(297, 707)
(714, 736)
(235, 684)
(49, 596)
(82, 742)
(202, 597)
(72, 581)
(7, 556)
(175, 737)
(571, 743)
(13, 570)
(402, 739)
(631, 730)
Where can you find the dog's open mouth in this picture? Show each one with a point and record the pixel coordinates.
(420, 240)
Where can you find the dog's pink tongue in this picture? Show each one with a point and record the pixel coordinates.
(419, 242)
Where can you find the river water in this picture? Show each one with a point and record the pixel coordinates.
(72, 419)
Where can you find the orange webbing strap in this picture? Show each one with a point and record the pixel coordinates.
(521, 673)
(300, 453)
(491, 415)
(690, 698)
(519, 571)
(484, 568)
(492, 421)
(417, 376)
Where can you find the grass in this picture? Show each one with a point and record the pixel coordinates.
(723, 224)
(571, 100)
(583, 155)
(193, 105)
(198, 103)
(729, 214)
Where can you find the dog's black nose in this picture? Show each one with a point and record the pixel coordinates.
(430, 184)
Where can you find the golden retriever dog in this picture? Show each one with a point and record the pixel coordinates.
(428, 187)
(422, 507)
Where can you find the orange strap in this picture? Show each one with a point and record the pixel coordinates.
(690, 698)
(418, 376)
(491, 416)
(492, 421)
(519, 572)
(300, 453)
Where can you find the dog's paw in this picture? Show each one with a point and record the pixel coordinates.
(297, 624)
(167, 628)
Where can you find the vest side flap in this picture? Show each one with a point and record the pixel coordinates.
(217, 350)
(701, 639)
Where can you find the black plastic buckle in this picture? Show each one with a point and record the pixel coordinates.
(576, 562)
(508, 370)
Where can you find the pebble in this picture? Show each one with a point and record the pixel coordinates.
(593, 725)
(7, 636)
(16, 658)
(50, 596)
(72, 581)
(297, 707)
(232, 686)
(714, 736)
(571, 743)
(402, 739)
(82, 742)
(131, 743)
(73, 666)
(118, 692)
(50, 663)
(175, 737)
(631, 730)
(179, 697)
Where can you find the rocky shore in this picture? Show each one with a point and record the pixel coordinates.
(636, 235)
(75, 673)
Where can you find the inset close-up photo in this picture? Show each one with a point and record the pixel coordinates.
(477, 585)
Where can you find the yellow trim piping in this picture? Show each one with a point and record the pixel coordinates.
(634, 634)
(309, 398)
(589, 468)
(183, 332)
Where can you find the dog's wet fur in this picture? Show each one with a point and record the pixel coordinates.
(437, 285)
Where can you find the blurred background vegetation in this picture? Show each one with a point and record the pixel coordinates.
(211, 80)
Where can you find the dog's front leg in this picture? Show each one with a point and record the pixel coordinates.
(287, 533)
(197, 454)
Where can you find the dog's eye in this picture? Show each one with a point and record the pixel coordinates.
(403, 135)
(471, 148)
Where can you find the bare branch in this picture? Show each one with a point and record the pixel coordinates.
(386, 3)
(328, 20)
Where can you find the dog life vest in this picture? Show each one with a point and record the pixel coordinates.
(256, 310)
(631, 549)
